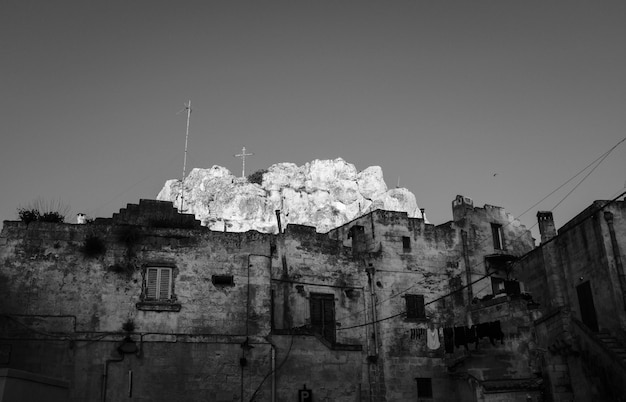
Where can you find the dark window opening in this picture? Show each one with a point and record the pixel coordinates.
(497, 285)
(498, 240)
(424, 387)
(222, 280)
(406, 244)
(500, 285)
(357, 233)
(323, 315)
(415, 307)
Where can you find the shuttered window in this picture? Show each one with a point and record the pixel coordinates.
(158, 283)
(498, 239)
(415, 306)
(323, 315)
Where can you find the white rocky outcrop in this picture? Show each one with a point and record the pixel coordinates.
(322, 193)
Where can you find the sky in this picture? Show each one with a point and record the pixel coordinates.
(500, 101)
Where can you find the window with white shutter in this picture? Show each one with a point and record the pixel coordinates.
(158, 283)
(158, 289)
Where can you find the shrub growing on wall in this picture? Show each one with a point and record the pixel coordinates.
(93, 246)
(28, 215)
(43, 211)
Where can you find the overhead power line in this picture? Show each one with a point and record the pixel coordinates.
(488, 274)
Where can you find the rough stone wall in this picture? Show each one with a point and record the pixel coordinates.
(63, 310)
(477, 223)
(305, 263)
(582, 253)
(365, 266)
(512, 358)
(408, 256)
(586, 254)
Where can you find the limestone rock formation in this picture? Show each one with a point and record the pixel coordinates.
(322, 193)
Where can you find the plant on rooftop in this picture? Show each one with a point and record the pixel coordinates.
(28, 215)
(257, 177)
(43, 211)
(129, 236)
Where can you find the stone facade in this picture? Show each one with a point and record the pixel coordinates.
(149, 305)
(577, 275)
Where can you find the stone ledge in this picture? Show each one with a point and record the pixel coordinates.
(158, 306)
(325, 342)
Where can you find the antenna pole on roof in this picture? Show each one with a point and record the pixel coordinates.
(182, 181)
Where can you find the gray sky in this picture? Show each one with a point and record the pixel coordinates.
(441, 94)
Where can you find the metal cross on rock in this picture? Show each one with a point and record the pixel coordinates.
(243, 155)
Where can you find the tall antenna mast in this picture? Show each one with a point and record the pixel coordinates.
(182, 181)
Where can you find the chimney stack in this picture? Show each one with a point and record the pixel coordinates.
(546, 225)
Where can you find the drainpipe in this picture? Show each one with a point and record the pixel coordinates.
(370, 276)
(280, 226)
(273, 373)
(608, 217)
(368, 347)
(468, 268)
(243, 349)
(105, 376)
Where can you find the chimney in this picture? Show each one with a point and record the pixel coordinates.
(546, 225)
(81, 219)
(280, 226)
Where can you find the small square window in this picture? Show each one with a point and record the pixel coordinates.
(415, 307)
(223, 280)
(406, 244)
(424, 387)
(498, 239)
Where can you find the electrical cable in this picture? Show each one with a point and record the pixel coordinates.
(604, 155)
(597, 161)
(489, 274)
(273, 371)
(583, 179)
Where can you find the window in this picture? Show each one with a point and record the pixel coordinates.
(158, 283)
(497, 285)
(415, 307)
(500, 285)
(406, 244)
(498, 240)
(424, 387)
(222, 280)
(157, 292)
(323, 315)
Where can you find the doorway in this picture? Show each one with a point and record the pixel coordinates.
(587, 308)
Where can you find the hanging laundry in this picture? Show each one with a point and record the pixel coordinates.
(482, 330)
(459, 337)
(495, 332)
(432, 338)
(472, 337)
(448, 339)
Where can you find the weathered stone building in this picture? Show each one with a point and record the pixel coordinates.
(148, 305)
(577, 274)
